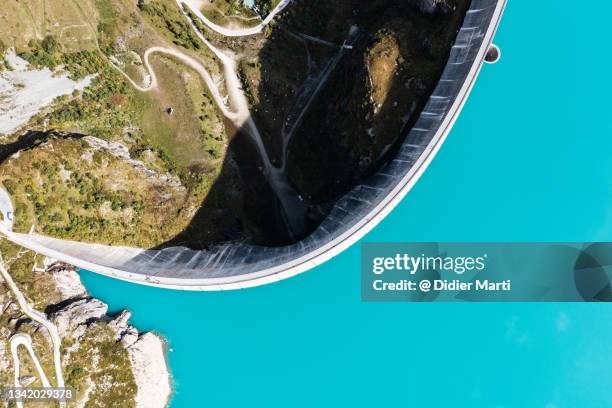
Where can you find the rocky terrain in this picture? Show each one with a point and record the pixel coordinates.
(104, 358)
(78, 312)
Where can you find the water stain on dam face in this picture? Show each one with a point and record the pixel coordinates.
(353, 116)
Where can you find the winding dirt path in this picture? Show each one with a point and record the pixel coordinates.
(23, 339)
(292, 206)
(238, 110)
(232, 32)
(20, 339)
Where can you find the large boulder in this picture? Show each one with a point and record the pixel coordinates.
(124, 332)
(81, 312)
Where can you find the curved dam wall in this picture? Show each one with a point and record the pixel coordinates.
(235, 266)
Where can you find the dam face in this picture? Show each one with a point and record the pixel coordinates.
(232, 266)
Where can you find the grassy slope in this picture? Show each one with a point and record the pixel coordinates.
(68, 20)
(69, 190)
(191, 143)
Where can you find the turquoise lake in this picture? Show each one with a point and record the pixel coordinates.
(530, 159)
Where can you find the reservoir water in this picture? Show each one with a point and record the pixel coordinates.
(528, 160)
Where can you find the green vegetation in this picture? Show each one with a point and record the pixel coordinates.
(101, 359)
(103, 198)
(266, 6)
(83, 63)
(38, 288)
(50, 53)
(169, 18)
(108, 27)
(249, 72)
(223, 12)
(19, 263)
(194, 135)
(9, 320)
(105, 108)
(45, 53)
(98, 198)
(68, 189)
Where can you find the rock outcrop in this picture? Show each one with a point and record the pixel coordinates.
(78, 310)
(67, 281)
(122, 152)
(150, 371)
(125, 333)
(72, 319)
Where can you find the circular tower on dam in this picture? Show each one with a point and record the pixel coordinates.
(328, 130)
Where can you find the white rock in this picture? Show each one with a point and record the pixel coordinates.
(24, 91)
(146, 352)
(77, 313)
(79, 332)
(67, 281)
(125, 333)
(26, 380)
(120, 323)
(150, 371)
(129, 337)
(121, 151)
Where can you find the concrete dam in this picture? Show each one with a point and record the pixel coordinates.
(240, 265)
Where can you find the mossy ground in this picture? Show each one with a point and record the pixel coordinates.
(70, 190)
